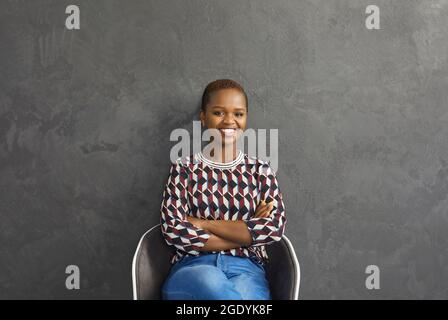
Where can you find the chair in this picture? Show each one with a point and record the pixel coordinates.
(151, 266)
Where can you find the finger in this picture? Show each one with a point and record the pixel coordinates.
(262, 204)
(259, 212)
(265, 215)
(263, 208)
(267, 212)
(260, 207)
(263, 211)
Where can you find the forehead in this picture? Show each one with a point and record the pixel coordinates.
(227, 98)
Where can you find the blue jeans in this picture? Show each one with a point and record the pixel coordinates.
(216, 276)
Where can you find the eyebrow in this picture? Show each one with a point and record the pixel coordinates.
(220, 107)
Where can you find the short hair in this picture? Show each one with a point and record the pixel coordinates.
(219, 85)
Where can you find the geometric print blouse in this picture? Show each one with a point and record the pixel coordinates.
(202, 188)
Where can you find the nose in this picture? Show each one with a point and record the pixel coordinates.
(228, 119)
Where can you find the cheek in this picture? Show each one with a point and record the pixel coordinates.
(212, 121)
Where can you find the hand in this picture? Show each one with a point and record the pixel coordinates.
(264, 209)
(198, 223)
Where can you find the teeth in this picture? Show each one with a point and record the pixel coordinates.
(228, 132)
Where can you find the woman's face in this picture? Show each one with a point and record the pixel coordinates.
(227, 112)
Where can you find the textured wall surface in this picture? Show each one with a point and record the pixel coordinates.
(85, 118)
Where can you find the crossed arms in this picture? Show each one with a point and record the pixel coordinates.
(192, 234)
(229, 234)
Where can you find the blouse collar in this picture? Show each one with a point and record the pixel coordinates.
(221, 165)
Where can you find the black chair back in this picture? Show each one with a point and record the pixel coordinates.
(151, 266)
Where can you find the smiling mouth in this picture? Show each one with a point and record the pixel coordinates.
(228, 132)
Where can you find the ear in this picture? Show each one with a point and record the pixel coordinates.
(202, 117)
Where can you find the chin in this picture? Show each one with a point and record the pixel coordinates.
(229, 142)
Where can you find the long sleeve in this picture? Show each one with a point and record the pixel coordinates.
(176, 229)
(265, 231)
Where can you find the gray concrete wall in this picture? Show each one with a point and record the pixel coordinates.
(85, 118)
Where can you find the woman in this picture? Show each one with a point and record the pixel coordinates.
(220, 210)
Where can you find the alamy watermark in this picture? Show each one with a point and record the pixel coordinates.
(373, 20)
(256, 142)
(72, 282)
(373, 280)
(72, 22)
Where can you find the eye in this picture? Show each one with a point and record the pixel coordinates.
(217, 113)
(239, 114)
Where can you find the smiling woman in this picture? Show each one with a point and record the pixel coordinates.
(224, 107)
(215, 210)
